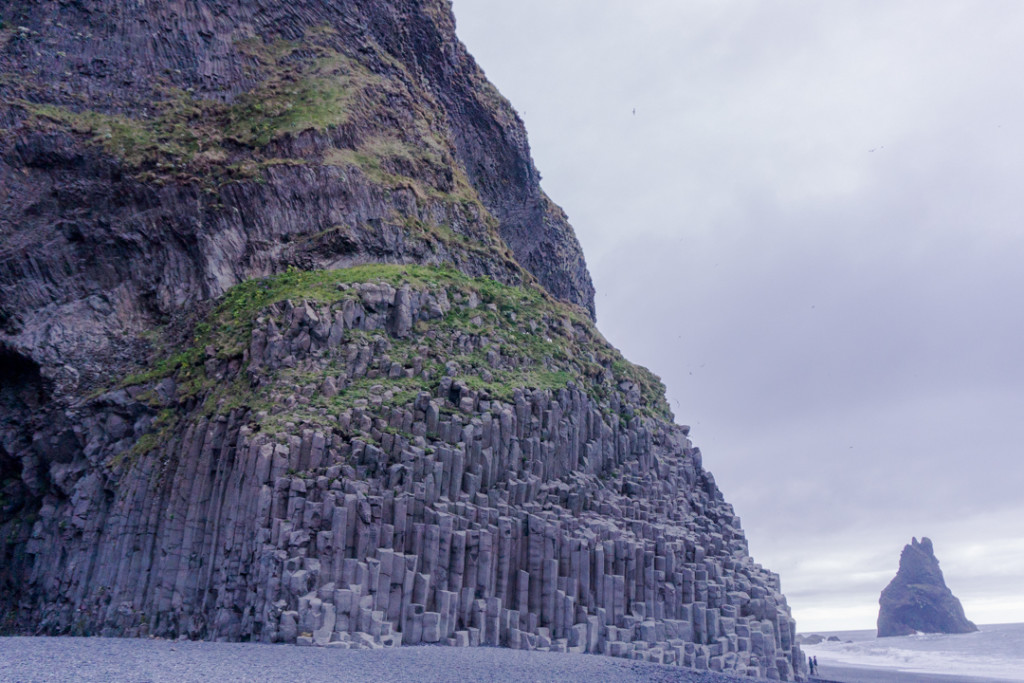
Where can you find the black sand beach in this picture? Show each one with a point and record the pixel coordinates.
(103, 660)
(113, 660)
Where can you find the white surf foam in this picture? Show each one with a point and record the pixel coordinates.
(994, 652)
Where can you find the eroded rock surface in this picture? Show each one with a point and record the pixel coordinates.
(917, 600)
(294, 349)
(218, 141)
(311, 491)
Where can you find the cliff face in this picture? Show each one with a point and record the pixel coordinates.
(293, 348)
(217, 141)
(917, 600)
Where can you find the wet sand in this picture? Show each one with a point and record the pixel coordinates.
(852, 674)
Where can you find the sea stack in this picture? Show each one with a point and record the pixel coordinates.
(917, 599)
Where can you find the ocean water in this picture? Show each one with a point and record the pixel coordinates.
(996, 651)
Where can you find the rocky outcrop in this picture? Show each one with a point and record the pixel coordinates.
(917, 600)
(313, 491)
(294, 349)
(218, 141)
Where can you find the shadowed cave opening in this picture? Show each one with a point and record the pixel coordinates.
(22, 391)
(21, 383)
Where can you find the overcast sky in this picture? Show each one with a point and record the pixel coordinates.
(812, 228)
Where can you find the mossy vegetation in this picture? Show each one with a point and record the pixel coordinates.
(299, 87)
(484, 242)
(128, 139)
(304, 85)
(161, 430)
(392, 125)
(495, 339)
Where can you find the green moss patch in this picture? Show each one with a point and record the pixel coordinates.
(297, 86)
(552, 344)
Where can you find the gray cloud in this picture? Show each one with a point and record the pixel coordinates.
(811, 228)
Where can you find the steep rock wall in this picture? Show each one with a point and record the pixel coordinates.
(334, 501)
(217, 141)
(217, 421)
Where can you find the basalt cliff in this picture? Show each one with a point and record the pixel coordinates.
(293, 348)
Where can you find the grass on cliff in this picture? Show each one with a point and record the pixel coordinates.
(297, 85)
(297, 90)
(554, 342)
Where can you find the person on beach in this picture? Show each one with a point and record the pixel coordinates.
(810, 664)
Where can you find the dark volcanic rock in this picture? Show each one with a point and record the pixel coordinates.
(220, 141)
(293, 348)
(917, 599)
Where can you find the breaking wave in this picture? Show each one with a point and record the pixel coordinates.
(995, 651)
